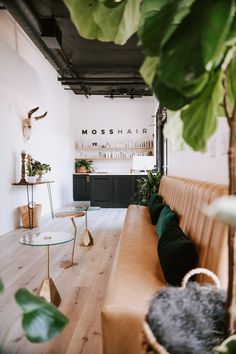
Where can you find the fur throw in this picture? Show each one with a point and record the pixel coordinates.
(188, 320)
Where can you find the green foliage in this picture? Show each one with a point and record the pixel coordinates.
(41, 321)
(148, 69)
(197, 130)
(36, 168)
(189, 47)
(105, 20)
(83, 163)
(228, 346)
(1, 286)
(145, 187)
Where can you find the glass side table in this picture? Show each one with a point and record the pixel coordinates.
(86, 239)
(47, 289)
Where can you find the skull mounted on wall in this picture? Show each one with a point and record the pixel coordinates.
(27, 123)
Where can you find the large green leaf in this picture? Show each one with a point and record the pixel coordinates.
(41, 320)
(82, 12)
(228, 346)
(157, 25)
(167, 96)
(197, 42)
(119, 23)
(150, 6)
(200, 117)
(148, 69)
(99, 20)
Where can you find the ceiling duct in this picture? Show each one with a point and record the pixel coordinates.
(29, 21)
(51, 33)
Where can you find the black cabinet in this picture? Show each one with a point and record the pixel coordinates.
(122, 191)
(101, 191)
(108, 191)
(81, 187)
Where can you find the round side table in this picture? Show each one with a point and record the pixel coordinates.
(86, 239)
(47, 289)
(71, 215)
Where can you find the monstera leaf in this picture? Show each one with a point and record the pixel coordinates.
(200, 117)
(105, 21)
(41, 320)
(188, 54)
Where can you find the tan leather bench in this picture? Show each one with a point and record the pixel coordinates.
(136, 274)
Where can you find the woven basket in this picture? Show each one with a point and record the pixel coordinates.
(30, 215)
(149, 341)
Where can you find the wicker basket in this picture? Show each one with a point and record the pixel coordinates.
(149, 341)
(30, 215)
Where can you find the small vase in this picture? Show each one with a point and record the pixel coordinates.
(31, 179)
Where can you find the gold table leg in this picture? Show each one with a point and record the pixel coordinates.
(86, 239)
(71, 263)
(48, 289)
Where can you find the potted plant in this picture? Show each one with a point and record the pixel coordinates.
(145, 187)
(36, 169)
(83, 166)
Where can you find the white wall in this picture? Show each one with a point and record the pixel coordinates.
(210, 166)
(97, 113)
(27, 80)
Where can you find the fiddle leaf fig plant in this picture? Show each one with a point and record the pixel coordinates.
(190, 63)
(41, 320)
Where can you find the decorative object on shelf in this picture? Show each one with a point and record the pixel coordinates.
(36, 169)
(83, 166)
(31, 173)
(27, 124)
(23, 156)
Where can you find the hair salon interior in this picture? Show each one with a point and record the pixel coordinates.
(106, 211)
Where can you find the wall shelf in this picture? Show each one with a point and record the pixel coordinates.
(114, 149)
(114, 153)
(103, 158)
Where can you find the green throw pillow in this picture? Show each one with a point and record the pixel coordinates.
(177, 254)
(154, 198)
(167, 217)
(154, 210)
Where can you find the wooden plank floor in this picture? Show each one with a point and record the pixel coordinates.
(82, 287)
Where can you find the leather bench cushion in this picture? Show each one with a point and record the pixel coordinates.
(136, 276)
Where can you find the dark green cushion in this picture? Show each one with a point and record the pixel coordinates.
(154, 210)
(167, 218)
(154, 198)
(177, 254)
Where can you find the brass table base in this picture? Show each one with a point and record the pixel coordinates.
(49, 292)
(86, 239)
(67, 264)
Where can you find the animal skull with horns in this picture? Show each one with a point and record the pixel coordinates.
(27, 125)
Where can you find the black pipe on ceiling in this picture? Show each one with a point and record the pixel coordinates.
(29, 21)
(105, 79)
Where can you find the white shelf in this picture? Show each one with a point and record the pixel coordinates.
(103, 158)
(114, 149)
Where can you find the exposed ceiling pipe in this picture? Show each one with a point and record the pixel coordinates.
(30, 23)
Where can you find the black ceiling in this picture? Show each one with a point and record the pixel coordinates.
(85, 66)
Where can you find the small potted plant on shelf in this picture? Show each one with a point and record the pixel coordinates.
(36, 169)
(83, 166)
